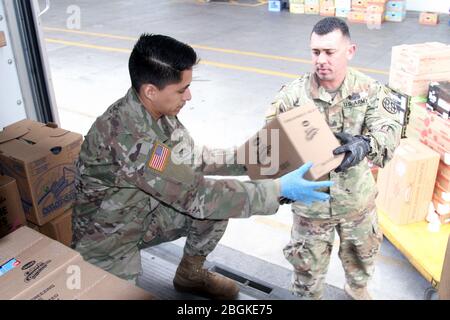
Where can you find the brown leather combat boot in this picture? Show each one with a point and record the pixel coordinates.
(191, 277)
(357, 293)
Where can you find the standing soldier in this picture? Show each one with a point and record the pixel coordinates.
(357, 110)
(135, 188)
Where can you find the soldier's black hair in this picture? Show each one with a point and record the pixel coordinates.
(329, 24)
(159, 60)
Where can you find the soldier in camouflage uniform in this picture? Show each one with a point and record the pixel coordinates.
(140, 181)
(352, 104)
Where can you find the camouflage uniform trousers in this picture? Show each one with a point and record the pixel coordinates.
(161, 225)
(311, 244)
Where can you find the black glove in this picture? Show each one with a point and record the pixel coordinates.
(355, 147)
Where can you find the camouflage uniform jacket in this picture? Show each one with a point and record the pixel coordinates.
(359, 107)
(119, 176)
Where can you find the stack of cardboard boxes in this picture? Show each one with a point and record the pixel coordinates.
(41, 159)
(375, 12)
(358, 12)
(35, 267)
(434, 131)
(395, 11)
(414, 66)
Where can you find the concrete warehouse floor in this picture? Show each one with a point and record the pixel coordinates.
(247, 54)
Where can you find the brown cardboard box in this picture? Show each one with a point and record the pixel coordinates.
(444, 283)
(429, 18)
(374, 18)
(406, 184)
(59, 229)
(2, 39)
(38, 268)
(414, 85)
(422, 58)
(376, 8)
(356, 16)
(11, 212)
(327, 11)
(41, 159)
(288, 141)
(311, 9)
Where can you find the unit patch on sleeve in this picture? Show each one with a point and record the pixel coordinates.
(160, 156)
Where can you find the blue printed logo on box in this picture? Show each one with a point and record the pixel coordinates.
(8, 266)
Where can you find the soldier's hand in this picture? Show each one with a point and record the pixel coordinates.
(294, 187)
(355, 148)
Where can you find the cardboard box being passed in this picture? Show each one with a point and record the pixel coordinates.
(406, 184)
(41, 159)
(35, 267)
(288, 141)
(11, 212)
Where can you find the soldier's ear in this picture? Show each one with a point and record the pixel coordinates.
(149, 91)
(351, 51)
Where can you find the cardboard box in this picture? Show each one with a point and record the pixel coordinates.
(342, 13)
(343, 4)
(11, 212)
(439, 98)
(42, 160)
(441, 193)
(312, 3)
(406, 184)
(444, 169)
(326, 4)
(35, 267)
(374, 18)
(397, 6)
(444, 283)
(274, 6)
(311, 9)
(429, 18)
(59, 229)
(375, 8)
(297, 8)
(422, 58)
(327, 11)
(443, 181)
(359, 3)
(414, 85)
(394, 16)
(356, 16)
(287, 142)
(2, 39)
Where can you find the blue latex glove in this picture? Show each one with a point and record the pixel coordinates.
(294, 187)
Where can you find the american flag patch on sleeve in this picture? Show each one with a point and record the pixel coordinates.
(159, 157)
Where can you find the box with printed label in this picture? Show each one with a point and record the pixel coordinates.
(394, 16)
(342, 13)
(429, 18)
(35, 267)
(297, 8)
(274, 6)
(327, 11)
(343, 4)
(287, 142)
(398, 6)
(439, 98)
(414, 85)
(11, 212)
(422, 59)
(42, 160)
(406, 184)
(311, 9)
(326, 4)
(356, 16)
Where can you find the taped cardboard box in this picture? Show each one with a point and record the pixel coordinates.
(414, 85)
(429, 18)
(444, 283)
(42, 160)
(11, 212)
(59, 229)
(422, 58)
(36, 267)
(288, 141)
(406, 184)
